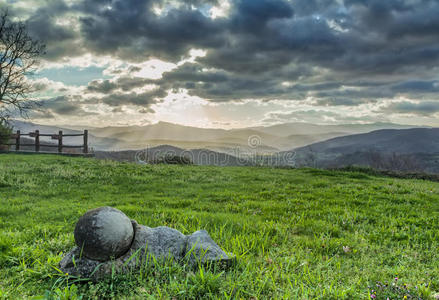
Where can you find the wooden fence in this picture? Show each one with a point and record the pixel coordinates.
(36, 135)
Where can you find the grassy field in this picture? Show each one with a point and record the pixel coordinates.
(297, 234)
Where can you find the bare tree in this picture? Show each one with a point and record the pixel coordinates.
(393, 161)
(19, 54)
(310, 158)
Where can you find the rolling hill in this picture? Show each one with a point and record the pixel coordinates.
(197, 156)
(405, 141)
(415, 149)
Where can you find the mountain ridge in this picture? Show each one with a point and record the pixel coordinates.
(414, 149)
(268, 139)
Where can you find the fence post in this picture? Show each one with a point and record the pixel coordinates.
(85, 141)
(60, 141)
(37, 141)
(17, 141)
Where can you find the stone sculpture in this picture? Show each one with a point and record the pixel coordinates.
(107, 240)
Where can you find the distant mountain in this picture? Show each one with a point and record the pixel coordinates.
(269, 139)
(396, 147)
(261, 140)
(299, 140)
(138, 137)
(314, 129)
(404, 141)
(160, 130)
(400, 150)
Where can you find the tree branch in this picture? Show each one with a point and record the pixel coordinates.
(18, 58)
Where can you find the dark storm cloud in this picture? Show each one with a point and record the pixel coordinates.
(139, 99)
(310, 7)
(101, 86)
(258, 34)
(73, 105)
(220, 86)
(353, 96)
(42, 26)
(42, 114)
(130, 29)
(340, 101)
(60, 40)
(251, 17)
(316, 47)
(417, 87)
(62, 105)
(136, 99)
(214, 85)
(386, 36)
(124, 84)
(425, 108)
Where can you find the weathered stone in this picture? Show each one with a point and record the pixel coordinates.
(104, 233)
(164, 242)
(75, 264)
(201, 249)
(160, 242)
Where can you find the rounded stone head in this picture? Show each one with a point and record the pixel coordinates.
(104, 233)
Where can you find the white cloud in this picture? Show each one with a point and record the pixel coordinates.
(49, 88)
(193, 55)
(220, 11)
(152, 69)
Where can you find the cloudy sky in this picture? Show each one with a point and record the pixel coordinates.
(235, 63)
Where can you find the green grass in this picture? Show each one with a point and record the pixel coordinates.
(286, 227)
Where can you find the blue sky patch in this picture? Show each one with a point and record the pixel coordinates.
(73, 75)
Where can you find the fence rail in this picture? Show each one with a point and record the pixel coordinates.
(37, 144)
